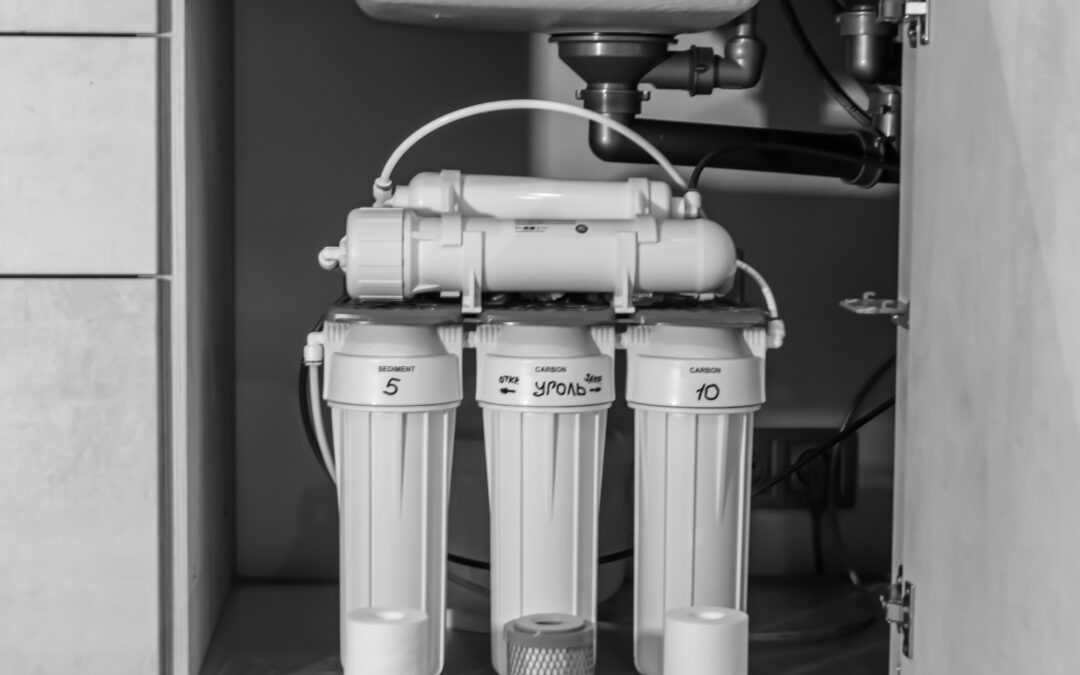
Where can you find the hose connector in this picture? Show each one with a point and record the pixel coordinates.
(777, 333)
(313, 350)
(382, 190)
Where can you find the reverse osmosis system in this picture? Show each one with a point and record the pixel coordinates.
(546, 280)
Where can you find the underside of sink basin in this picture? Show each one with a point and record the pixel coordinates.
(662, 17)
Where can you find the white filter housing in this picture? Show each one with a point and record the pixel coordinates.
(545, 392)
(667, 17)
(393, 391)
(694, 390)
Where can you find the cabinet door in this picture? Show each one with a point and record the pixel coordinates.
(79, 477)
(78, 16)
(991, 408)
(78, 155)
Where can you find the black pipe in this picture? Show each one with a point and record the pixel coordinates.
(753, 149)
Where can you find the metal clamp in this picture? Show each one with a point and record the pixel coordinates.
(868, 304)
(915, 13)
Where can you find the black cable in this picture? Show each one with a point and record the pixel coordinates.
(703, 163)
(834, 467)
(484, 565)
(818, 451)
(831, 85)
(306, 419)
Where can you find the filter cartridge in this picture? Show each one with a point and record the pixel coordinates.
(706, 641)
(387, 641)
(550, 644)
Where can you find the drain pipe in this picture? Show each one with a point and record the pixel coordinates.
(699, 70)
(613, 65)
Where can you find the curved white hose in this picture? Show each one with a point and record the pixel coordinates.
(766, 292)
(777, 330)
(384, 182)
(317, 420)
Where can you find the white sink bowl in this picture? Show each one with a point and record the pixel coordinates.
(662, 17)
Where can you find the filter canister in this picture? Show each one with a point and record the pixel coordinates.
(550, 644)
(693, 390)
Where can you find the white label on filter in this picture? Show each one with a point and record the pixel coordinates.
(566, 382)
(695, 383)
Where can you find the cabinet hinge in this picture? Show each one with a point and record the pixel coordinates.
(915, 14)
(870, 305)
(899, 606)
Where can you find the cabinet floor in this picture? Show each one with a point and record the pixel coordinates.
(799, 627)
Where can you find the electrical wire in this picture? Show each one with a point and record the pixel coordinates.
(830, 503)
(703, 163)
(822, 484)
(384, 182)
(831, 85)
(484, 565)
(819, 450)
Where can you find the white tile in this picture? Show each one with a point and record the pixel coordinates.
(79, 477)
(79, 148)
(78, 16)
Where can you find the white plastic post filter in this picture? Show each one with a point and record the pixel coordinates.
(706, 641)
(545, 392)
(693, 390)
(387, 641)
(550, 644)
(527, 197)
(393, 391)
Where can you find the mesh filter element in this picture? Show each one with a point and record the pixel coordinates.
(550, 644)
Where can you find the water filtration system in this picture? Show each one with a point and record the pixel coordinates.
(545, 279)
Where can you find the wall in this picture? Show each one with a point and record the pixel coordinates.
(322, 96)
(816, 240)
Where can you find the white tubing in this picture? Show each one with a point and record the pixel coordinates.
(317, 420)
(777, 330)
(766, 292)
(382, 185)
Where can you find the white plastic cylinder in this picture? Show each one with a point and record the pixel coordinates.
(387, 641)
(545, 392)
(527, 197)
(702, 639)
(393, 391)
(394, 254)
(694, 390)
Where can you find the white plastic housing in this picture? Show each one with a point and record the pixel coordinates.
(393, 391)
(694, 391)
(545, 392)
(525, 197)
(394, 254)
(667, 17)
